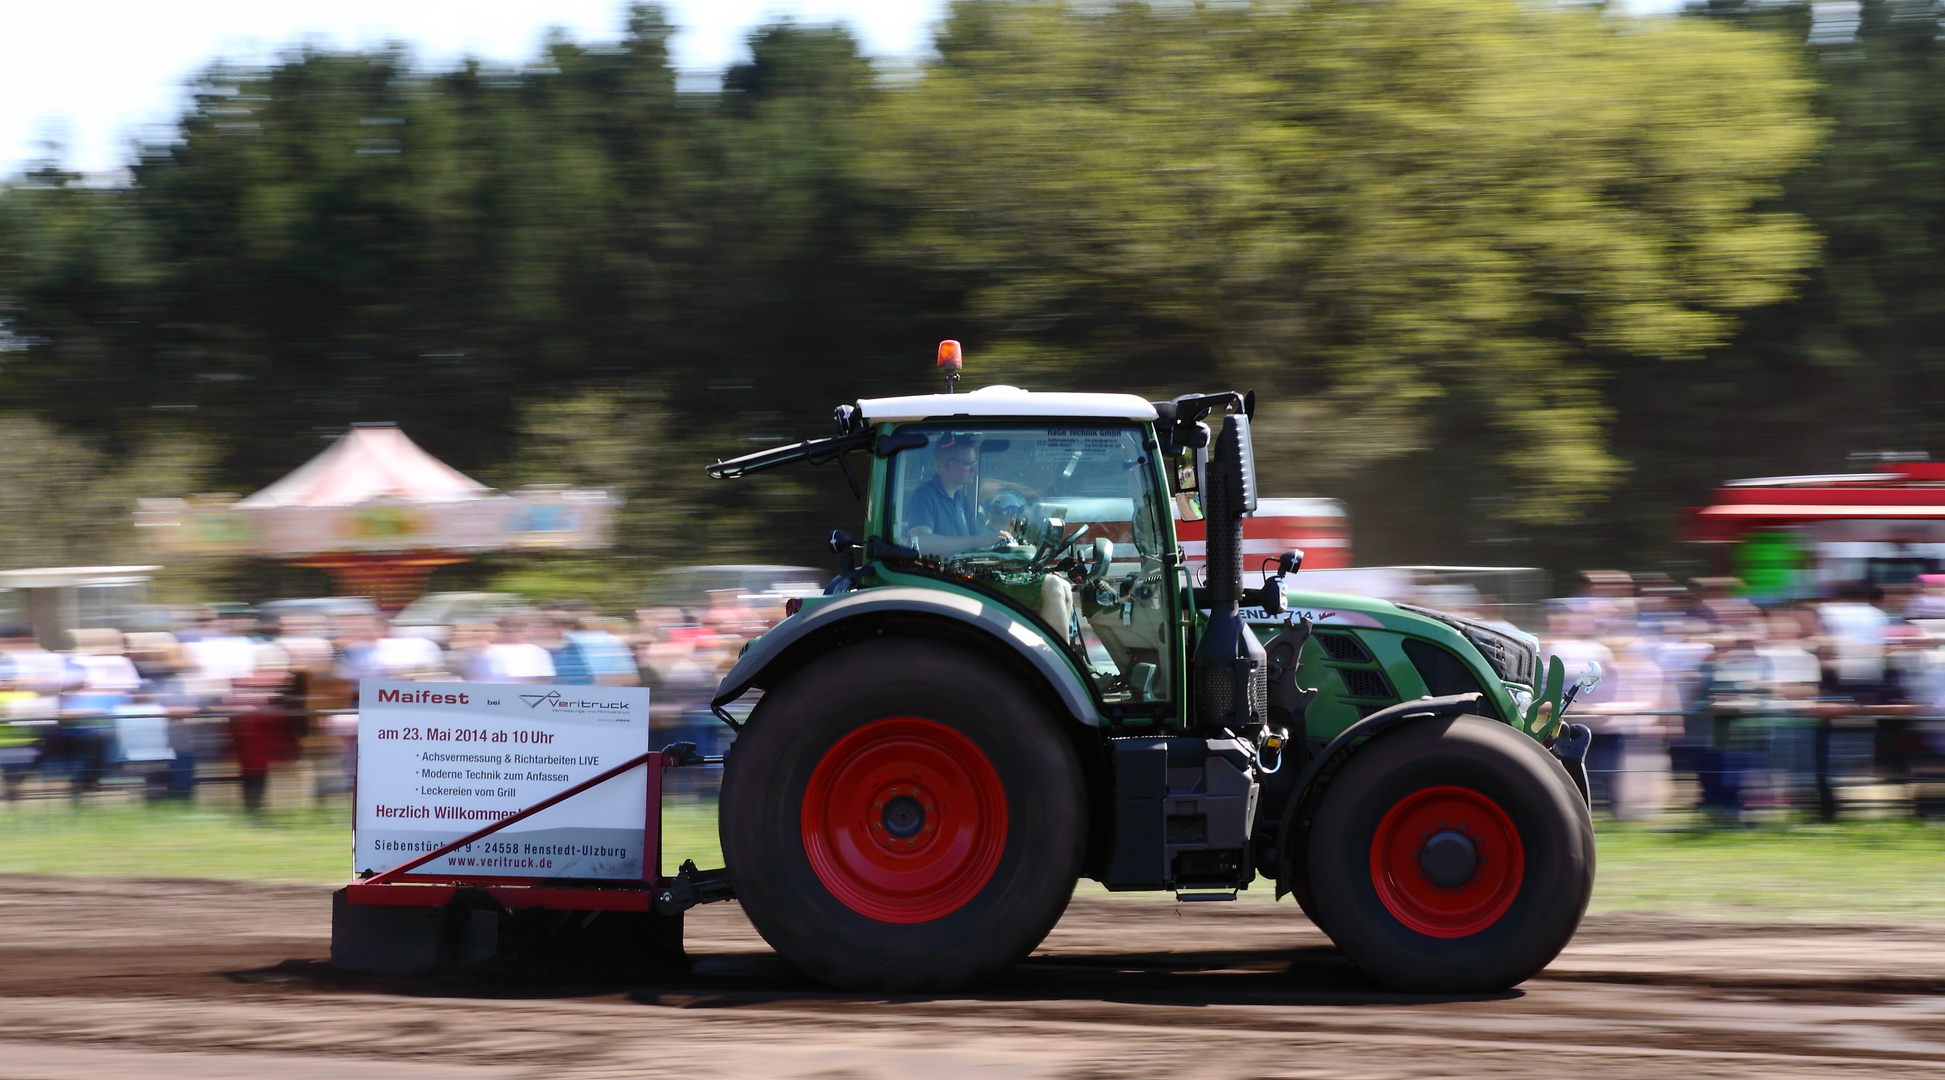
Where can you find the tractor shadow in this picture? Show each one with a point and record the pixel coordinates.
(1307, 975)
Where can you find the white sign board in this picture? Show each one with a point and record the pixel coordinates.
(437, 761)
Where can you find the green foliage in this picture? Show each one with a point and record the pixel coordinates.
(339, 237)
(1851, 362)
(1372, 212)
(66, 504)
(1480, 259)
(627, 440)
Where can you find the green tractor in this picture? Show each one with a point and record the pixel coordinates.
(1015, 681)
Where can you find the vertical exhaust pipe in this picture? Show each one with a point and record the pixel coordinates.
(1231, 670)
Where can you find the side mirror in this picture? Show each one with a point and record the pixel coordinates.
(1187, 467)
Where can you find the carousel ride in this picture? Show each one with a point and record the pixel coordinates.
(379, 514)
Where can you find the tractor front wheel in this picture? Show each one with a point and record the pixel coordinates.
(1453, 856)
(902, 815)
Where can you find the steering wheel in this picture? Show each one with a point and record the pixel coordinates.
(1029, 524)
(1051, 542)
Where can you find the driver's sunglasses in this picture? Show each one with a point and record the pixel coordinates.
(964, 463)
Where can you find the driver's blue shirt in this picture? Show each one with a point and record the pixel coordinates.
(946, 515)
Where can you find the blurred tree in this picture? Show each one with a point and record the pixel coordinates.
(1855, 363)
(64, 503)
(343, 237)
(1447, 239)
(816, 69)
(1851, 363)
(615, 437)
(339, 238)
(1424, 224)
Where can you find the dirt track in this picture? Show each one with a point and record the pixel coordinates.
(193, 979)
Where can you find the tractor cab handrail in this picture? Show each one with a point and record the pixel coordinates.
(812, 451)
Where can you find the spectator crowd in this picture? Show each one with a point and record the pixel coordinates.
(1708, 699)
(229, 696)
(1712, 699)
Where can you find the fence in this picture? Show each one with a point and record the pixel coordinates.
(1735, 756)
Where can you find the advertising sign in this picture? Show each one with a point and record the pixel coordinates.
(437, 761)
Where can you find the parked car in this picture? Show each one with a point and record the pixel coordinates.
(692, 586)
(433, 615)
(322, 610)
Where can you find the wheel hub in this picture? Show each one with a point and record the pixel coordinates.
(904, 820)
(1448, 859)
(903, 817)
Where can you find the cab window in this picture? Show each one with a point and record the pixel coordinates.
(1066, 521)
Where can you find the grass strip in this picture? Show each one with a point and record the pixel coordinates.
(1862, 869)
(1810, 872)
(176, 841)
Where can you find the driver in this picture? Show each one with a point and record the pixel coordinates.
(939, 514)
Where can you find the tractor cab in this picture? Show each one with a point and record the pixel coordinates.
(1066, 517)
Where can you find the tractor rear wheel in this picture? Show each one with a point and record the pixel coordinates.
(1454, 856)
(902, 815)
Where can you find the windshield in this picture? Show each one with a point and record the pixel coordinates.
(1067, 521)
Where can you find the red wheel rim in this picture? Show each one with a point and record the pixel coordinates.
(1445, 821)
(904, 820)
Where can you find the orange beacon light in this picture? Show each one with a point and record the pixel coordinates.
(951, 360)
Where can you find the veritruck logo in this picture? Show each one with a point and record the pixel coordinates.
(554, 703)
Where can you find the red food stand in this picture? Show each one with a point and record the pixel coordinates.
(1812, 532)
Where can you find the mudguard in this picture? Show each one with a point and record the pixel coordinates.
(996, 620)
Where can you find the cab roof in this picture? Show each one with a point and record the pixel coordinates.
(1006, 402)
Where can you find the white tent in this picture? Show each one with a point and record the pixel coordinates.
(379, 513)
(368, 463)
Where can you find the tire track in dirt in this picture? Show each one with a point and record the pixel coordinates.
(113, 977)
